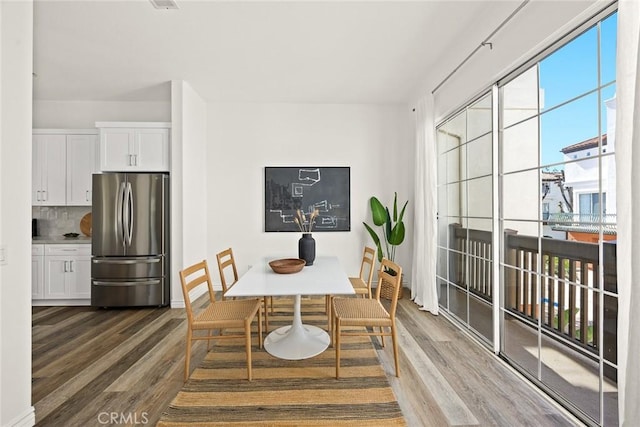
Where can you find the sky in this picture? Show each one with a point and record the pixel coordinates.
(570, 72)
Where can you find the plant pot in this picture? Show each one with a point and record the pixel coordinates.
(386, 290)
(307, 248)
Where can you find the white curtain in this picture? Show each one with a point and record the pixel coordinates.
(424, 290)
(627, 141)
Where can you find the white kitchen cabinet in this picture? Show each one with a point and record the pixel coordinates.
(63, 162)
(67, 271)
(49, 170)
(37, 271)
(80, 287)
(140, 147)
(81, 164)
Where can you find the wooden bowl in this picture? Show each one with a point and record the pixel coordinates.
(287, 265)
(85, 224)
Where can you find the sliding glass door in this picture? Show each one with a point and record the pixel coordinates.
(553, 223)
(558, 223)
(465, 211)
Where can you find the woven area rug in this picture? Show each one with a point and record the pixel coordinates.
(285, 392)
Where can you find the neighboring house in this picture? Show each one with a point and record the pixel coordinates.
(583, 169)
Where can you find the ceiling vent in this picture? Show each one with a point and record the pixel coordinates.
(164, 4)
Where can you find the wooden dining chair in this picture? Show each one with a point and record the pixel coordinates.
(229, 276)
(361, 284)
(217, 315)
(358, 313)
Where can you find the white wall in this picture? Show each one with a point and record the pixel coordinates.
(188, 183)
(85, 114)
(16, 52)
(374, 141)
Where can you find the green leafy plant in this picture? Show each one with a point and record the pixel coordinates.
(393, 229)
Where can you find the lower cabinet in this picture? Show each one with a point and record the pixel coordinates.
(66, 273)
(37, 271)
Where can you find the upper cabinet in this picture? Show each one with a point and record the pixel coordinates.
(81, 164)
(134, 146)
(49, 170)
(63, 162)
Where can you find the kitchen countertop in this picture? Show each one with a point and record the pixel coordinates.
(48, 240)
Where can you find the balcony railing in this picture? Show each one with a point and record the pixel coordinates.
(588, 223)
(561, 290)
(471, 263)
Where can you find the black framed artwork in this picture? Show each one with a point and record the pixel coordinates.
(325, 189)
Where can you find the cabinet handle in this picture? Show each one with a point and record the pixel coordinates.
(86, 196)
(38, 195)
(71, 266)
(130, 159)
(66, 269)
(44, 196)
(135, 160)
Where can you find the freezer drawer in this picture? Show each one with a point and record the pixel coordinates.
(110, 268)
(129, 293)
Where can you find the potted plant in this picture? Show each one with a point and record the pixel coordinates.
(393, 229)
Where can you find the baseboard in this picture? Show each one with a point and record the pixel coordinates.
(59, 302)
(179, 303)
(27, 419)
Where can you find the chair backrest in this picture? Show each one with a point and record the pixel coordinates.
(192, 277)
(368, 266)
(391, 273)
(227, 269)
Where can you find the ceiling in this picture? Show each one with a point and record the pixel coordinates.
(263, 51)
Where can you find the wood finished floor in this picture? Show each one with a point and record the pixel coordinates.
(123, 367)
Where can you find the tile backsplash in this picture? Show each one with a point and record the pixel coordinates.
(58, 220)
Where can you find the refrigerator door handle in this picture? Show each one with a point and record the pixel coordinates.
(130, 210)
(141, 282)
(126, 261)
(119, 213)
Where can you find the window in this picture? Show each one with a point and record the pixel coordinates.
(556, 166)
(590, 203)
(465, 212)
(557, 114)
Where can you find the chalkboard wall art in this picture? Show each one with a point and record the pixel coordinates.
(287, 189)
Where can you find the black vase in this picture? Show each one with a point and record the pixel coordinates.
(307, 248)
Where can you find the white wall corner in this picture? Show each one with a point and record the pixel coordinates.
(16, 57)
(188, 174)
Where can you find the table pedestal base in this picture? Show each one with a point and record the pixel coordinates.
(297, 341)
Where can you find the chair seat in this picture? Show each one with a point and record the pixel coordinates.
(227, 314)
(359, 285)
(360, 311)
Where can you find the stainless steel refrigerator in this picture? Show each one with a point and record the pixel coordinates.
(130, 240)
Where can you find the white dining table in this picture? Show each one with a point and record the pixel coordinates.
(296, 341)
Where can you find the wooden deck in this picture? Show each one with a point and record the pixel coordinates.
(92, 365)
